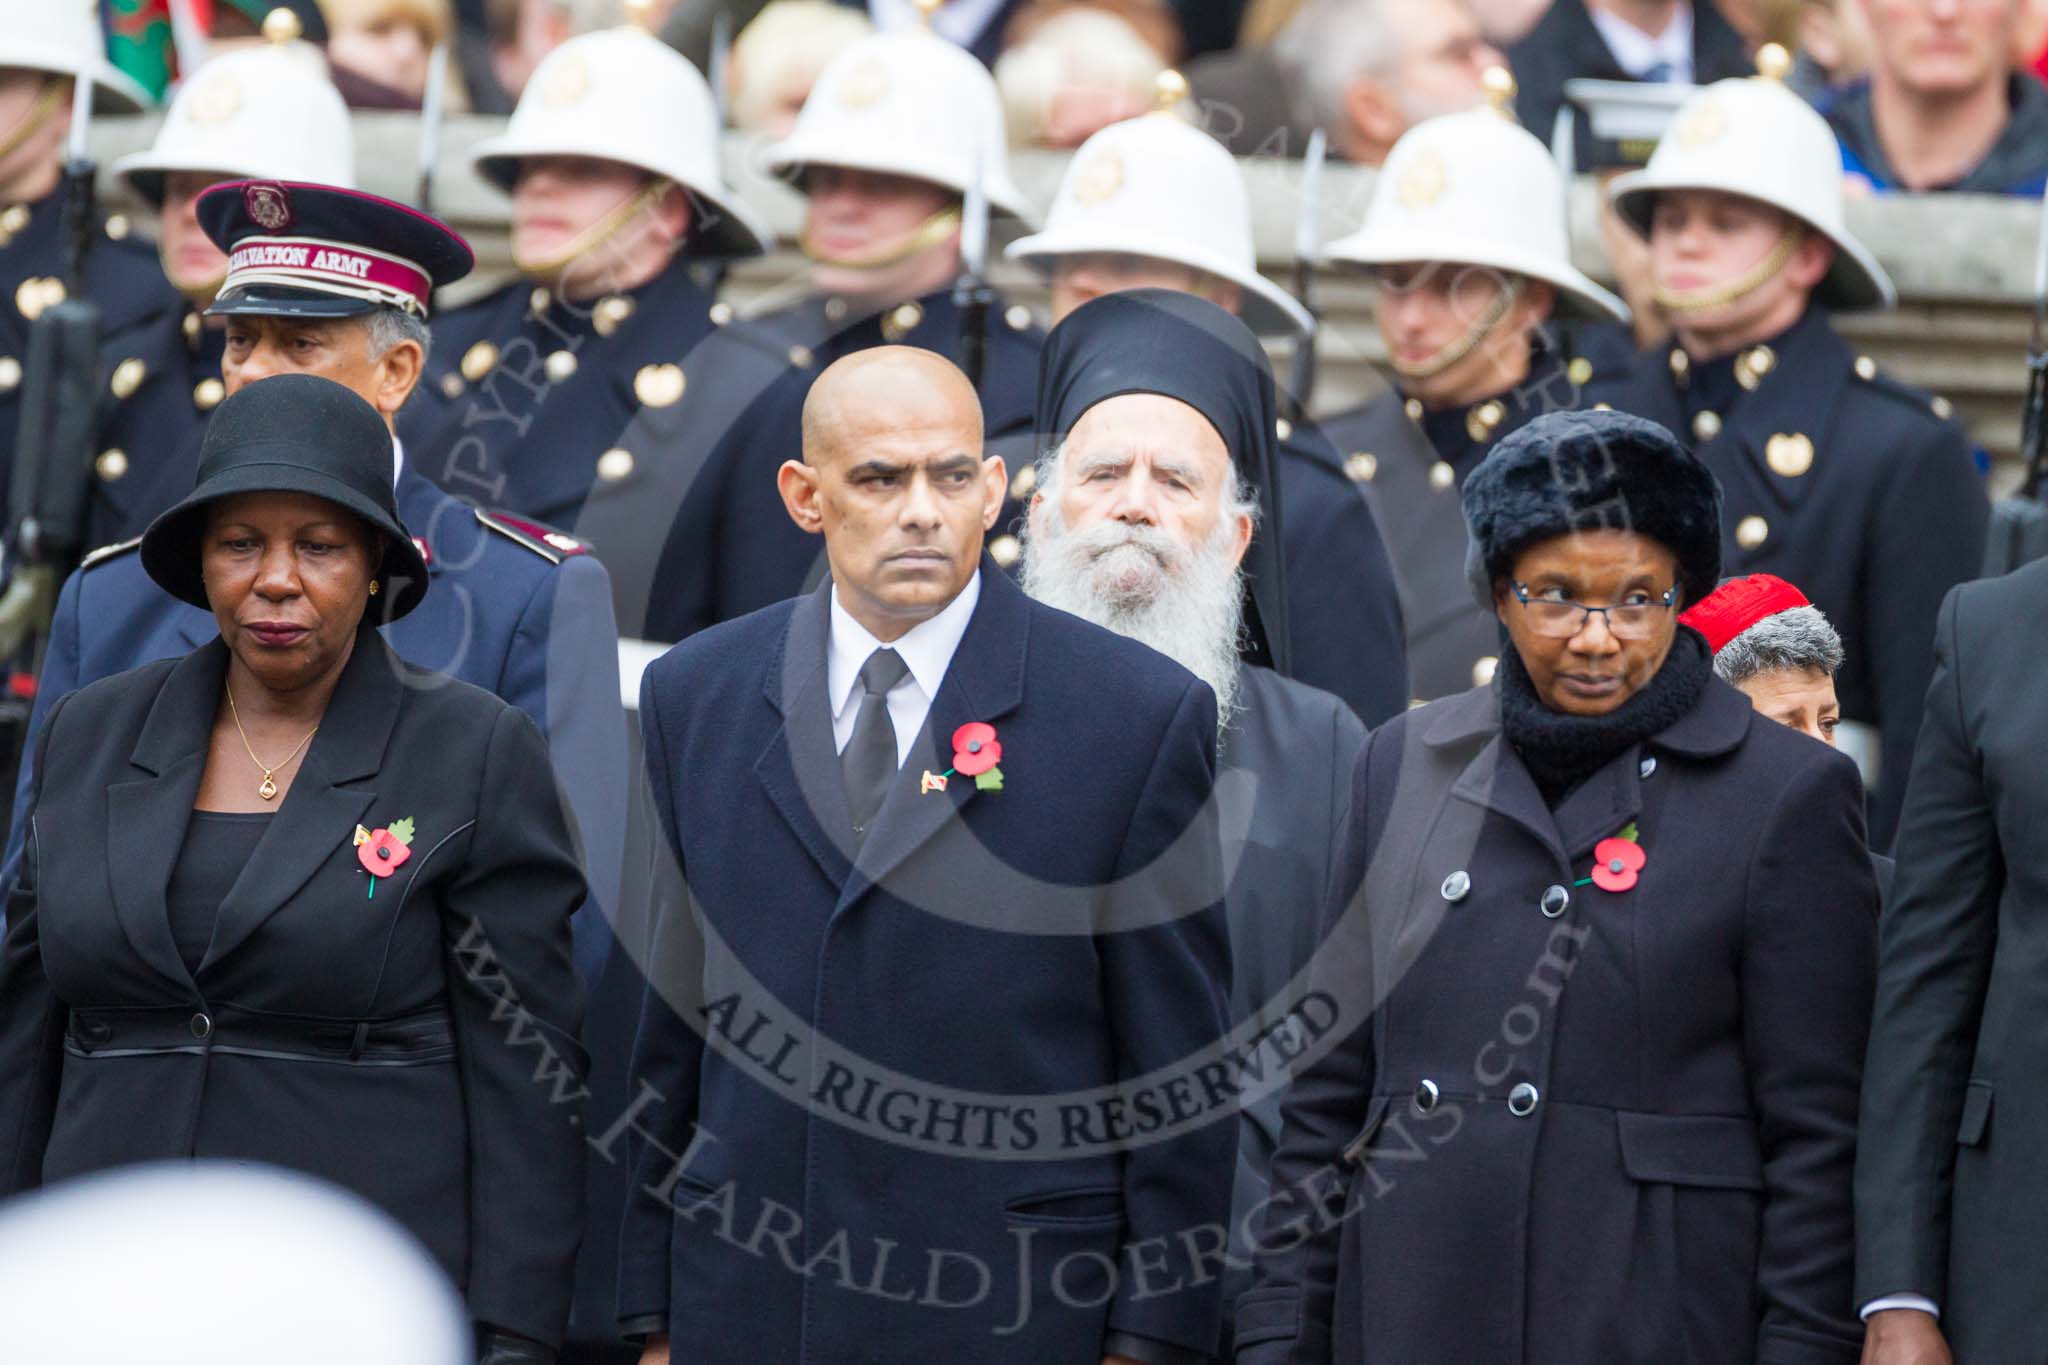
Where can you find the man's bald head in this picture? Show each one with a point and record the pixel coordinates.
(888, 389)
(894, 477)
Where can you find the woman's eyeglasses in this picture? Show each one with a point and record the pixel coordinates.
(1635, 617)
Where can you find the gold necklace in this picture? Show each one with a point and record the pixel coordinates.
(268, 791)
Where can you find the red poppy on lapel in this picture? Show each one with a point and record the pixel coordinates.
(975, 748)
(1616, 862)
(382, 852)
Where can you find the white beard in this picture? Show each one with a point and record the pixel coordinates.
(1142, 583)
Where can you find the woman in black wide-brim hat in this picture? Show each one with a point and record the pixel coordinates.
(1604, 940)
(290, 899)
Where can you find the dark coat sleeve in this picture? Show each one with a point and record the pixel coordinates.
(1808, 960)
(667, 1055)
(1936, 943)
(1166, 985)
(1936, 506)
(32, 1018)
(516, 1008)
(563, 671)
(1285, 1318)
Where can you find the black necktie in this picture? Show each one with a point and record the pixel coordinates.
(869, 759)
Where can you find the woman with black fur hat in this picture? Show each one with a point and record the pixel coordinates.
(290, 899)
(1602, 941)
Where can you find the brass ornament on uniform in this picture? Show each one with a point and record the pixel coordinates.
(560, 366)
(1752, 365)
(1018, 317)
(1706, 424)
(10, 373)
(1752, 532)
(660, 386)
(611, 313)
(1026, 480)
(207, 393)
(1866, 368)
(1789, 455)
(1579, 371)
(615, 464)
(111, 466)
(1005, 551)
(1413, 407)
(478, 361)
(128, 377)
(1482, 421)
(901, 321)
(1442, 477)
(1360, 467)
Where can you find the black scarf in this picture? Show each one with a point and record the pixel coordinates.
(1560, 751)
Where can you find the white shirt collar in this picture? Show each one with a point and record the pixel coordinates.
(926, 647)
(1636, 51)
(397, 460)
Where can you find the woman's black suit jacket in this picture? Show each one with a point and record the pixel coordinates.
(416, 1045)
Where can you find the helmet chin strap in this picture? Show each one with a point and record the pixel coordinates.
(1683, 302)
(928, 234)
(1461, 349)
(52, 94)
(594, 236)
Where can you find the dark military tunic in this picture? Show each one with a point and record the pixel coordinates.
(1860, 490)
(160, 378)
(1410, 464)
(121, 275)
(528, 396)
(731, 547)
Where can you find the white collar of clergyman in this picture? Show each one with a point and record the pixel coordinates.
(926, 647)
(397, 460)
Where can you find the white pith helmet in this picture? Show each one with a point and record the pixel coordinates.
(258, 113)
(1476, 189)
(63, 37)
(1158, 187)
(624, 95)
(1754, 138)
(909, 104)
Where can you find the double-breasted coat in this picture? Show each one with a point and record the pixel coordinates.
(415, 1044)
(1578, 1124)
(1857, 488)
(1949, 1173)
(535, 403)
(1007, 950)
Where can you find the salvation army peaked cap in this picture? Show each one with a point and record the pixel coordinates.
(316, 251)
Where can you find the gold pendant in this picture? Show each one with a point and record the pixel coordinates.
(268, 791)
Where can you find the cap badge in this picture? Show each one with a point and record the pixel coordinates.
(1423, 181)
(1704, 124)
(216, 100)
(268, 205)
(566, 83)
(1100, 178)
(864, 85)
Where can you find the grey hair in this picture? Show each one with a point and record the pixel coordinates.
(1332, 43)
(390, 326)
(1796, 640)
(1240, 499)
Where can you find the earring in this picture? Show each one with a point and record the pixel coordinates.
(375, 587)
